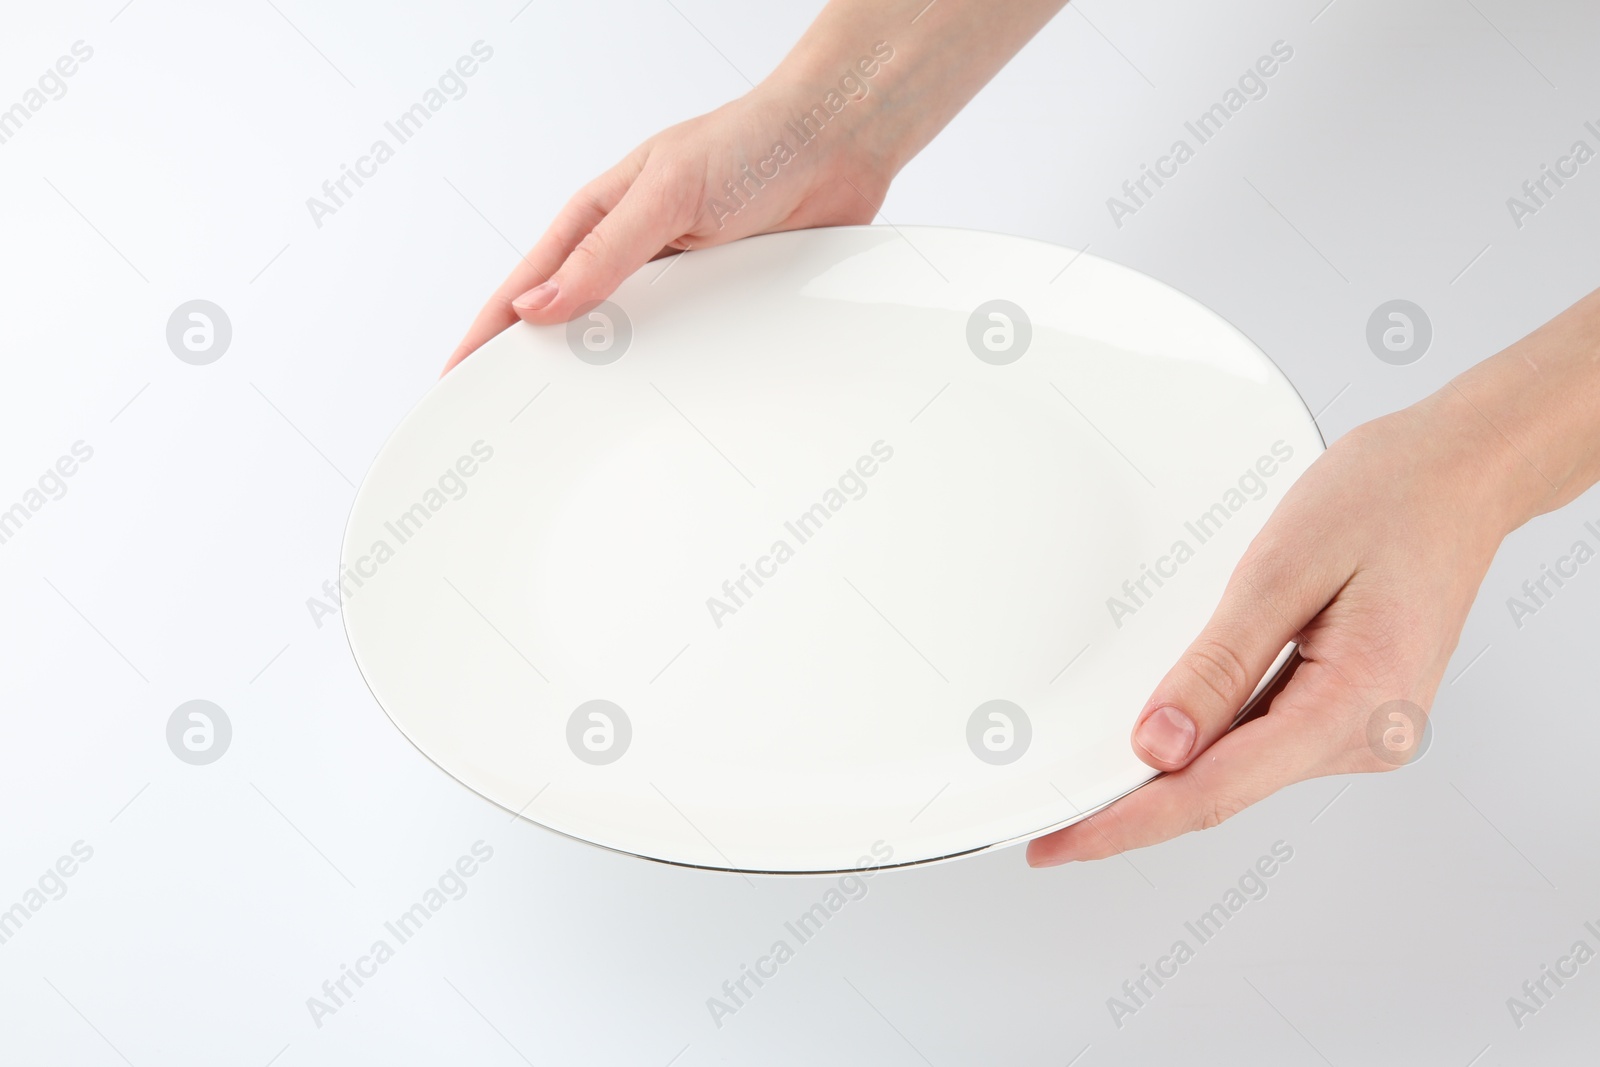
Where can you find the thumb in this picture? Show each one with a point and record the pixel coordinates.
(1261, 612)
(627, 238)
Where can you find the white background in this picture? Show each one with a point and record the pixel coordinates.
(178, 564)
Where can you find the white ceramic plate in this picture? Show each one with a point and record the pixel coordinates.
(801, 555)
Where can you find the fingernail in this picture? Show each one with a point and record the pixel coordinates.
(1168, 734)
(537, 297)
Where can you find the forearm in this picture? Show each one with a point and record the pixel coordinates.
(939, 62)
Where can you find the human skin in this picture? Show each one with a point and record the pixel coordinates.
(655, 201)
(1369, 564)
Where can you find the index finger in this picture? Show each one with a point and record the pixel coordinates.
(580, 215)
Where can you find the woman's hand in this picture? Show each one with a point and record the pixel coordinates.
(673, 193)
(1370, 564)
(815, 144)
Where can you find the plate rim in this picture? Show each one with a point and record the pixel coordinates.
(1282, 666)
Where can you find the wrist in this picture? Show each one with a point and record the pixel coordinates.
(1539, 403)
(1477, 476)
(837, 102)
(1504, 476)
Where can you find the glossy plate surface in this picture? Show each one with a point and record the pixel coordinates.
(804, 554)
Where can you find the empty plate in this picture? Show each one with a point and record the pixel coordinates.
(830, 549)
